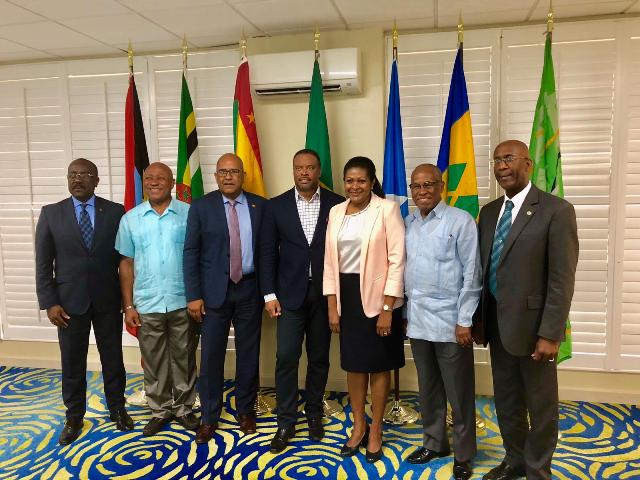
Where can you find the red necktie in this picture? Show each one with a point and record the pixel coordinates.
(235, 245)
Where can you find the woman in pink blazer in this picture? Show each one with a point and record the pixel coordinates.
(363, 281)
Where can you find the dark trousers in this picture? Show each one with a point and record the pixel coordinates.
(524, 387)
(74, 345)
(310, 319)
(243, 308)
(445, 371)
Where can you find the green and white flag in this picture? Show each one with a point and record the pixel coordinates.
(544, 149)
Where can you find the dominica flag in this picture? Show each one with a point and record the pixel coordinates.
(456, 158)
(544, 150)
(394, 180)
(245, 135)
(189, 178)
(317, 130)
(136, 157)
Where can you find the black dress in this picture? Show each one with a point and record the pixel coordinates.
(362, 350)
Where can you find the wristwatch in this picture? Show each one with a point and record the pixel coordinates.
(386, 307)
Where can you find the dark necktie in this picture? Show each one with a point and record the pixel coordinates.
(235, 245)
(504, 225)
(85, 226)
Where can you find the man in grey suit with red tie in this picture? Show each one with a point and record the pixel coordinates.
(529, 252)
(77, 284)
(291, 266)
(220, 260)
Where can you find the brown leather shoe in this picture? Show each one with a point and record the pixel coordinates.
(205, 432)
(247, 423)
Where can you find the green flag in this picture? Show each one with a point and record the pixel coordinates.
(544, 149)
(189, 177)
(317, 131)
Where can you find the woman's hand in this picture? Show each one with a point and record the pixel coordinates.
(383, 325)
(334, 318)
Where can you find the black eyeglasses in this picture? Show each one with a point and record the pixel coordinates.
(80, 175)
(426, 185)
(223, 172)
(507, 160)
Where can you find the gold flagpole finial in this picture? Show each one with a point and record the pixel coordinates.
(130, 57)
(243, 45)
(550, 17)
(394, 36)
(316, 41)
(460, 29)
(185, 49)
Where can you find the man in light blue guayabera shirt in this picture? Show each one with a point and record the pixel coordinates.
(151, 241)
(442, 283)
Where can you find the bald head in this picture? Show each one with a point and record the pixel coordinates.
(514, 145)
(230, 175)
(90, 166)
(511, 165)
(427, 167)
(426, 187)
(230, 159)
(82, 178)
(160, 167)
(158, 182)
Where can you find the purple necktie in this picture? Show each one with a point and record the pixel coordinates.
(235, 246)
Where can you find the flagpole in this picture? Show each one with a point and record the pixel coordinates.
(550, 17)
(316, 42)
(130, 58)
(243, 47)
(185, 49)
(394, 36)
(460, 30)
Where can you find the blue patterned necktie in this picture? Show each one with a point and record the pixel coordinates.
(85, 226)
(504, 225)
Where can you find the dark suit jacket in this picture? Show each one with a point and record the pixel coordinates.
(536, 273)
(67, 272)
(285, 252)
(206, 247)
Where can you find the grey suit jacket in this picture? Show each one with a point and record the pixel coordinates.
(67, 272)
(536, 273)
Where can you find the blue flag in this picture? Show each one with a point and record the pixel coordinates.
(394, 176)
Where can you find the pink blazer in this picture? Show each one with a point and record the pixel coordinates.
(382, 257)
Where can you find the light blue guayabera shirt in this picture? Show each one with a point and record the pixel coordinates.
(91, 209)
(246, 240)
(443, 273)
(155, 242)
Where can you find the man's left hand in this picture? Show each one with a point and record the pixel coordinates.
(546, 350)
(463, 336)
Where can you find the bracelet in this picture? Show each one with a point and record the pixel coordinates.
(128, 307)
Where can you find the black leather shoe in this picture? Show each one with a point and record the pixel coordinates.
(347, 451)
(373, 457)
(189, 421)
(424, 455)
(281, 438)
(154, 426)
(70, 431)
(504, 471)
(316, 429)
(462, 470)
(122, 419)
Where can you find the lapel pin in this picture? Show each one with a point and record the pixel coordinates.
(529, 212)
(253, 205)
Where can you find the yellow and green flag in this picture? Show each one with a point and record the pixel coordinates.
(456, 158)
(245, 135)
(189, 178)
(544, 150)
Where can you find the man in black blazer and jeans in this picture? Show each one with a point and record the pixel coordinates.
(77, 284)
(291, 265)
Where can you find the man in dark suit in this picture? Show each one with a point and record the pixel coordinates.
(220, 259)
(529, 251)
(291, 266)
(77, 284)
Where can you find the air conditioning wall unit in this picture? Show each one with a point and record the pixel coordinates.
(290, 73)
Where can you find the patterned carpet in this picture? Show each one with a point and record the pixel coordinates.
(597, 441)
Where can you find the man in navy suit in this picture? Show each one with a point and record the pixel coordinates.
(220, 259)
(77, 284)
(291, 267)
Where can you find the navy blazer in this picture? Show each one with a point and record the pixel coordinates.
(285, 253)
(206, 247)
(67, 272)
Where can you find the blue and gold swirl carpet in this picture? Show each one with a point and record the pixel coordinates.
(597, 441)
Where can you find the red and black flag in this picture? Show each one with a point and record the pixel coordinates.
(136, 157)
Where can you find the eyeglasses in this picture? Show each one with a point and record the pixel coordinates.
(426, 185)
(507, 160)
(223, 172)
(80, 175)
(305, 168)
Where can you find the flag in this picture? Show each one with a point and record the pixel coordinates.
(456, 159)
(544, 150)
(136, 158)
(317, 131)
(189, 177)
(394, 179)
(245, 135)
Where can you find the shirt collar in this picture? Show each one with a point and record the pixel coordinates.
(241, 199)
(315, 196)
(438, 211)
(148, 208)
(77, 203)
(518, 198)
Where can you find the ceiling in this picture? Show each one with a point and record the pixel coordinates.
(33, 30)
